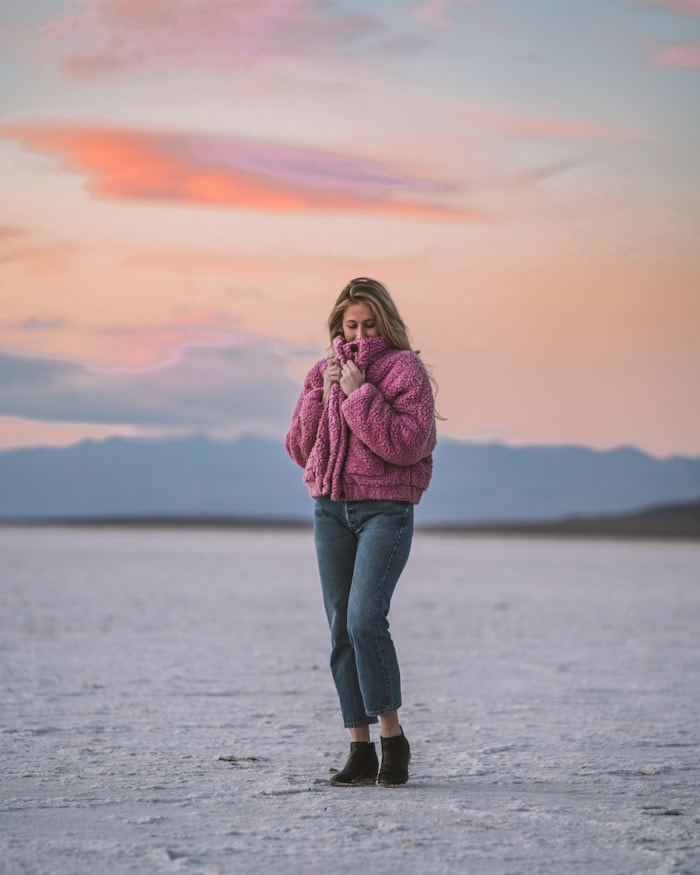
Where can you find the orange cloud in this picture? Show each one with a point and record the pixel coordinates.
(12, 233)
(225, 172)
(16, 431)
(40, 259)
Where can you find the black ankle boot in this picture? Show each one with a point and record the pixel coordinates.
(396, 754)
(361, 768)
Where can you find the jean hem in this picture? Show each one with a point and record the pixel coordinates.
(370, 719)
(384, 711)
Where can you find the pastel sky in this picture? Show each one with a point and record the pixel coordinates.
(188, 184)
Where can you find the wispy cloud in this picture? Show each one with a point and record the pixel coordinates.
(39, 323)
(225, 389)
(683, 55)
(435, 13)
(202, 171)
(12, 233)
(689, 8)
(193, 261)
(251, 272)
(552, 169)
(41, 259)
(102, 36)
(530, 126)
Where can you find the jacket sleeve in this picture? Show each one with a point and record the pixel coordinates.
(396, 422)
(302, 432)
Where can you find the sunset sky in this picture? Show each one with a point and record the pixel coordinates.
(188, 184)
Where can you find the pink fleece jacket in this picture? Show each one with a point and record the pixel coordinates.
(375, 443)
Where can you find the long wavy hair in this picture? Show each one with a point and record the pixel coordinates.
(364, 290)
(386, 314)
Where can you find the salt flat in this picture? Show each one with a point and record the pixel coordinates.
(166, 707)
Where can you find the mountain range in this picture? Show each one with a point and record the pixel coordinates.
(252, 479)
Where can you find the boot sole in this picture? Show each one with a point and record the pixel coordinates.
(365, 782)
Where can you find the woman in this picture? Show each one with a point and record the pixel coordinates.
(364, 431)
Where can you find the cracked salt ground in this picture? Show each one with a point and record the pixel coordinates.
(166, 707)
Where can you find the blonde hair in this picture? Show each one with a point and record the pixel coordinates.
(364, 290)
(390, 325)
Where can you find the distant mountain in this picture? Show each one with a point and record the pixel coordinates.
(664, 521)
(252, 478)
(484, 483)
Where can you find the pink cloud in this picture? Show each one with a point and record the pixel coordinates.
(131, 165)
(529, 126)
(102, 36)
(434, 13)
(689, 8)
(685, 55)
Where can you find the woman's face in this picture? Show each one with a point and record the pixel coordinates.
(359, 322)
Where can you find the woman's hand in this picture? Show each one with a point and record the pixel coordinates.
(351, 377)
(330, 375)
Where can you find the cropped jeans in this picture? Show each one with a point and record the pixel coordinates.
(362, 548)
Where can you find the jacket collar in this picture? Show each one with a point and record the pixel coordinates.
(362, 352)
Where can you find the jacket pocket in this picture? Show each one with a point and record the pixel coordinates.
(362, 461)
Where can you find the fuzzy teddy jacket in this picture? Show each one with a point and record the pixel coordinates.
(377, 442)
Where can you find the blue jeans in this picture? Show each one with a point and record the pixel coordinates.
(362, 548)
